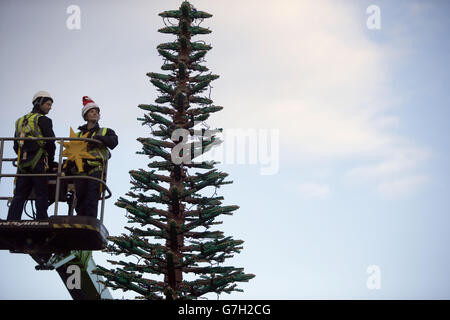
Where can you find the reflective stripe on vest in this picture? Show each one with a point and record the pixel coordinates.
(28, 126)
(100, 153)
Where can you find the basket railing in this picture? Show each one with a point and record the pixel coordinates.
(59, 174)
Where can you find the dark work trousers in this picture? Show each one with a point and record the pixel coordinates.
(88, 194)
(24, 185)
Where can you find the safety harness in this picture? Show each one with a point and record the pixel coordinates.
(28, 126)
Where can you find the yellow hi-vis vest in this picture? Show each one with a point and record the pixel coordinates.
(27, 126)
(101, 154)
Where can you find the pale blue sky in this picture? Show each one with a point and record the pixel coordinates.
(362, 116)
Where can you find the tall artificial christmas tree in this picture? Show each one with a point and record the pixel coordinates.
(176, 244)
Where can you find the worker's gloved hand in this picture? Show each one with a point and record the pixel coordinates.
(99, 138)
(93, 145)
(53, 166)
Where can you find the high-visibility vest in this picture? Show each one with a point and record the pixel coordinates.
(28, 126)
(101, 154)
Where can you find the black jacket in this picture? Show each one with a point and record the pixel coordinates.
(110, 140)
(46, 126)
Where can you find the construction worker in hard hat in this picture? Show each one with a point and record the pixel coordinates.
(33, 157)
(88, 191)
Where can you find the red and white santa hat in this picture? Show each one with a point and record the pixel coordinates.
(88, 104)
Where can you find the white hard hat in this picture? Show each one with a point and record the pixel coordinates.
(42, 94)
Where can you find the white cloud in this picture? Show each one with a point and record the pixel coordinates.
(395, 173)
(417, 8)
(308, 69)
(314, 190)
(305, 68)
(403, 186)
(398, 161)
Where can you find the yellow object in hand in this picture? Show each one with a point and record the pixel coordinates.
(77, 150)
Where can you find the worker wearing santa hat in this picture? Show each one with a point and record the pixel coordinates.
(87, 190)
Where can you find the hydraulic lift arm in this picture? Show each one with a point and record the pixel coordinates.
(76, 273)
